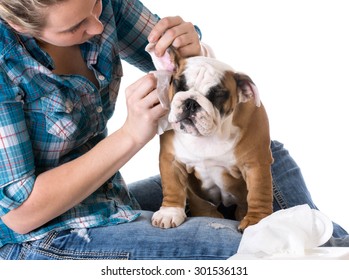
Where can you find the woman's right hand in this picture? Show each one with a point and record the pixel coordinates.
(143, 110)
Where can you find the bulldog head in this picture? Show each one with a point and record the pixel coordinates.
(203, 92)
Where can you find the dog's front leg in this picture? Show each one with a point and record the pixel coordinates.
(173, 177)
(260, 195)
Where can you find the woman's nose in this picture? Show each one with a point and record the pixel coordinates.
(95, 26)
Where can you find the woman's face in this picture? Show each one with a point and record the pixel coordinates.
(72, 22)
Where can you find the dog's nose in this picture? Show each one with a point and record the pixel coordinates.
(191, 105)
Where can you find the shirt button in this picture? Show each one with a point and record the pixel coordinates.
(99, 109)
(18, 98)
(68, 106)
(101, 77)
(110, 185)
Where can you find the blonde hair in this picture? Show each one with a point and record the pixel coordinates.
(28, 14)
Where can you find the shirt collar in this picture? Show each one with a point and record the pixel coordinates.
(45, 59)
(34, 49)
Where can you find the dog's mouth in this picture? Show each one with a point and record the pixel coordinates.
(186, 125)
(191, 118)
(189, 109)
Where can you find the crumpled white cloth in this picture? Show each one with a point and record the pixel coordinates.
(290, 231)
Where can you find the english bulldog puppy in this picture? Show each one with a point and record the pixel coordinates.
(218, 148)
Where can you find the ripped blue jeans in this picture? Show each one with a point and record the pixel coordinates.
(197, 238)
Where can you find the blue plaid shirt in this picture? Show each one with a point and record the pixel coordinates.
(47, 119)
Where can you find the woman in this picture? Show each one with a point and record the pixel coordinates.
(61, 194)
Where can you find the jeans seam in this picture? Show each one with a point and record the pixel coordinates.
(25, 248)
(48, 240)
(54, 253)
(45, 248)
(6, 251)
(278, 196)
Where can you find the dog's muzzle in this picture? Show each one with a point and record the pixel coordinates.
(189, 110)
(192, 113)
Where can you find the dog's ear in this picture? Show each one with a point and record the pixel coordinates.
(247, 89)
(170, 61)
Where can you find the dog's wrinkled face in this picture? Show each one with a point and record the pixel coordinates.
(203, 94)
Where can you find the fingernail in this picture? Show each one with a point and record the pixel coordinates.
(151, 38)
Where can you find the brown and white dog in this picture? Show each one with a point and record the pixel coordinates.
(218, 150)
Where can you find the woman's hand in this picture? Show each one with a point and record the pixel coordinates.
(143, 110)
(178, 33)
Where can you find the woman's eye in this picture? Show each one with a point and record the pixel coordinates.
(75, 29)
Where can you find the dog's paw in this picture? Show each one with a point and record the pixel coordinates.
(243, 224)
(249, 220)
(168, 217)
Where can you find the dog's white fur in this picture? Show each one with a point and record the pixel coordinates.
(168, 217)
(210, 156)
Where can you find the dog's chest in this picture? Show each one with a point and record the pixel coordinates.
(210, 158)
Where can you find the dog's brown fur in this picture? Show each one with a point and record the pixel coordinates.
(252, 181)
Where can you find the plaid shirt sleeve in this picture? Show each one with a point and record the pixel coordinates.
(16, 156)
(134, 23)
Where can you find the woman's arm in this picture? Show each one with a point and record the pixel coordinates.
(59, 189)
(148, 27)
(134, 22)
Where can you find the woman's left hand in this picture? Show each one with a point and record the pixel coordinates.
(178, 33)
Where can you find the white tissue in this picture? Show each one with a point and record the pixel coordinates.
(163, 82)
(165, 68)
(293, 231)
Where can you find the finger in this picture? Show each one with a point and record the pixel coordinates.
(165, 41)
(184, 39)
(152, 102)
(160, 28)
(189, 50)
(142, 87)
(176, 34)
(152, 99)
(179, 36)
(158, 111)
(137, 83)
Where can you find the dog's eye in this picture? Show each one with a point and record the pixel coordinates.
(218, 96)
(180, 84)
(222, 93)
(218, 93)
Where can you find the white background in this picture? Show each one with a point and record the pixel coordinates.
(297, 54)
